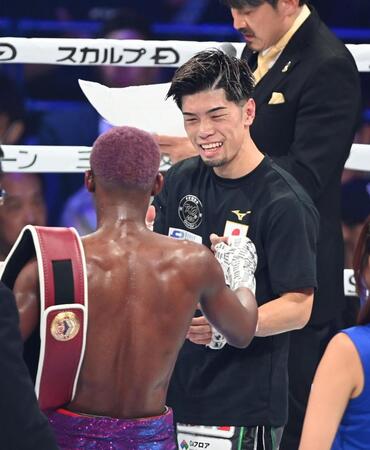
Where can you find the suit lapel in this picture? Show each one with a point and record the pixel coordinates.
(281, 69)
(287, 61)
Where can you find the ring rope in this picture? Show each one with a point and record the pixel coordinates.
(64, 159)
(144, 53)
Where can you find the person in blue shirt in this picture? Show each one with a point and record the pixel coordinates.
(338, 413)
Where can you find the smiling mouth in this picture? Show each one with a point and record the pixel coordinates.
(211, 150)
(211, 147)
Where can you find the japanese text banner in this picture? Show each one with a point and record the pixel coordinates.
(102, 51)
(144, 53)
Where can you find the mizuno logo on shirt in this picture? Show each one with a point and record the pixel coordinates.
(240, 215)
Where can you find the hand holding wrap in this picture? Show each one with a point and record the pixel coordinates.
(238, 259)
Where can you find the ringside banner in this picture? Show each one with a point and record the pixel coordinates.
(124, 52)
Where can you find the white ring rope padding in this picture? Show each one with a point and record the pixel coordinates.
(359, 158)
(349, 283)
(48, 158)
(144, 53)
(118, 52)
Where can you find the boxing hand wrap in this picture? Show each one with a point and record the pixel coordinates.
(238, 259)
(218, 340)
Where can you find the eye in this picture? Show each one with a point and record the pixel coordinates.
(190, 119)
(247, 11)
(218, 116)
(12, 204)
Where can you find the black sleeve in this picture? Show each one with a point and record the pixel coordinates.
(23, 426)
(327, 117)
(291, 233)
(160, 203)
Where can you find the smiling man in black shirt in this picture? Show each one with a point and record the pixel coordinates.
(231, 189)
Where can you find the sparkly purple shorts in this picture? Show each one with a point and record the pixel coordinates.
(75, 431)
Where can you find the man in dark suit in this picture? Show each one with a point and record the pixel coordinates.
(22, 425)
(307, 107)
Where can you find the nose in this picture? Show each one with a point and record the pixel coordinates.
(239, 21)
(205, 128)
(33, 216)
(29, 216)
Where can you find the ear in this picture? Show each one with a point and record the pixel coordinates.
(89, 180)
(158, 184)
(289, 7)
(249, 111)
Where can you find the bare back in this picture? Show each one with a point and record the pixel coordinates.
(143, 291)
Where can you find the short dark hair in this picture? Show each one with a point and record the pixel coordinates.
(209, 70)
(239, 4)
(125, 157)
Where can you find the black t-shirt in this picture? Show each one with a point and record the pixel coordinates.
(242, 387)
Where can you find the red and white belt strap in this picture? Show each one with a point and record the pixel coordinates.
(63, 307)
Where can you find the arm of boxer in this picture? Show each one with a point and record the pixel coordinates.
(178, 148)
(26, 292)
(338, 378)
(289, 312)
(201, 332)
(232, 314)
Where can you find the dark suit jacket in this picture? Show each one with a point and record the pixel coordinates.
(310, 135)
(22, 425)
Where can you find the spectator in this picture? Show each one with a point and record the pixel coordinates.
(23, 204)
(338, 412)
(355, 210)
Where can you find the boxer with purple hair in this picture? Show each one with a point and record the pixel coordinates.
(143, 291)
(125, 157)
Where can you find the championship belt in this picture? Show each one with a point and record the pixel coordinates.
(63, 307)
